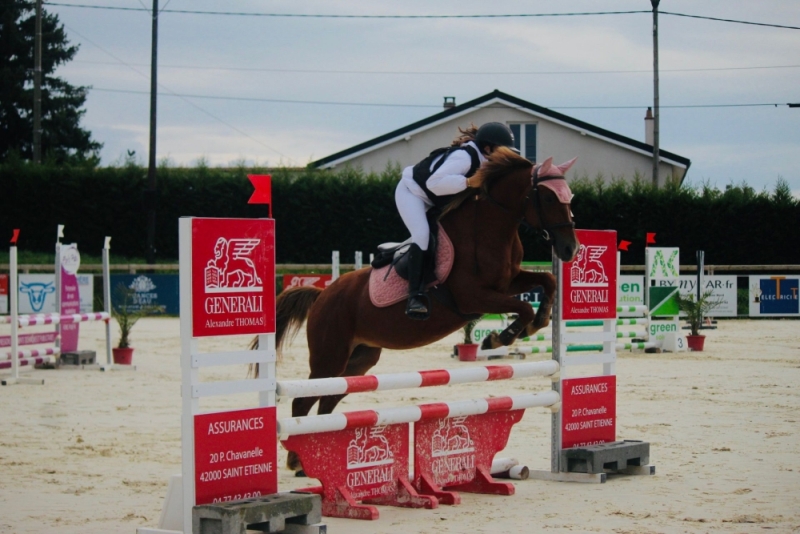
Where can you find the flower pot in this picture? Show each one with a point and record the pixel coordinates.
(695, 342)
(123, 356)
(467, 352)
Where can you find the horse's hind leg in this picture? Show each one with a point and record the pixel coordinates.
(362, 359)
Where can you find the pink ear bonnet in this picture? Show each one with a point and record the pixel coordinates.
(559, 187)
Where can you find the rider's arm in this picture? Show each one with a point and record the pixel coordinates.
(449, 179)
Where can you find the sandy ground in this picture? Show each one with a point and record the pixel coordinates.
(92, 452)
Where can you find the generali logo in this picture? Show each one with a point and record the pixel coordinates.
(587, 270)
(453, 451)
(369, 448)
(232, 269)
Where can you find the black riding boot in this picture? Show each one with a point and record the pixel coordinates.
(418, 304)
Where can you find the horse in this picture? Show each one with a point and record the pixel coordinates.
(346, 332)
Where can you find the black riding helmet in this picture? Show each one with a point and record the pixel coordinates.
(495, 133)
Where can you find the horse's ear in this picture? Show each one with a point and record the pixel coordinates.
(545, 166)
(564, 167)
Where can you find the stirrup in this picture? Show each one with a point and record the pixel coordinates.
(418, 307)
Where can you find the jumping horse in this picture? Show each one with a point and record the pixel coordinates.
(346, 332)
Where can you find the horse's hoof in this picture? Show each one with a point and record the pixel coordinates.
(300, 473)
(486, 344)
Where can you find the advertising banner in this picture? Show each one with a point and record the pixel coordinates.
(70, 296)
(233, 276)
(723, 292)
(774, 295)
(590, 280)
(235, 455)
(37, 293)
(4, 294)
(588, 411)
(723, 288)
(663, 263)
(159, 291)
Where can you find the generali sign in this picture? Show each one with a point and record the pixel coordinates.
(233, 276)
(590, 280)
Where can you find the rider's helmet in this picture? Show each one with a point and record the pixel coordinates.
(495, 133)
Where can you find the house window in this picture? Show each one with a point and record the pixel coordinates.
(525, 139)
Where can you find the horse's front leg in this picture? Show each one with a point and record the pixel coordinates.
(524, 282)
(488, 301)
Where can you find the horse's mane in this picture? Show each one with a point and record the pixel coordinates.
(499, 163)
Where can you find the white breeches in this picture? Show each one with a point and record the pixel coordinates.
(412, 210)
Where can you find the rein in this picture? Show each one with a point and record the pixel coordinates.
(546, 230)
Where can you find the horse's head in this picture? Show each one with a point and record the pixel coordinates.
(550, 199)
(537, 194)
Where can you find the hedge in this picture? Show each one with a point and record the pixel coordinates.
(319, 211)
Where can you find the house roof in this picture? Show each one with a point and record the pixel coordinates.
(486, 100)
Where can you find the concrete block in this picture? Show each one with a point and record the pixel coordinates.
(606, 457)
(78, 357)
(282, 512)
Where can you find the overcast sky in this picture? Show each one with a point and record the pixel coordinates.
(289, 90)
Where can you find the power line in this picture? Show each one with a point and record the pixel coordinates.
(729, 20)
(173, 93)
(442, 73)
(483, 16)
(331, 16)
(378, 104)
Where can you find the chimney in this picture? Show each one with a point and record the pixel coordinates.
(449, 102)
(649, 127)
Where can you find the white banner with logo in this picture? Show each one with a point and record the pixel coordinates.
(631, 291)
(773, 295)
(37, 293)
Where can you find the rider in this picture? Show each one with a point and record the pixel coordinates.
(433, 182)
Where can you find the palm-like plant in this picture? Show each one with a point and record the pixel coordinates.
(468, 328)
(127, 316)
(697, 308)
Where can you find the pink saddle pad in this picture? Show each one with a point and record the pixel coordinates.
(387, 290)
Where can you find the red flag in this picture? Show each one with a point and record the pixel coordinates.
(623, 245)
(651, 238)
(263, 190)
(15, 236)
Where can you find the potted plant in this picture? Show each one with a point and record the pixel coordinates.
(126, 316)
(468, 350)
(695, 309)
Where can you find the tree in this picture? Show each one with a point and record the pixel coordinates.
(63, 140)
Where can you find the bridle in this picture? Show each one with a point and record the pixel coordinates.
(534, 196)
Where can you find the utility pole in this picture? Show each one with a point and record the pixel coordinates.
(151, 191)
(37, 87)
(655, 92)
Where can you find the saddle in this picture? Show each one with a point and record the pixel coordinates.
(388, 281)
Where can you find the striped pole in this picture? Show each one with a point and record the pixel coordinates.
(409, 414)
(415, 379)
(584, 348)
(55, 318)
(6, 364)
(32, 353)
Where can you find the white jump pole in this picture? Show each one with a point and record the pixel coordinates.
(107, 295)
(335, 265)
(13, 291)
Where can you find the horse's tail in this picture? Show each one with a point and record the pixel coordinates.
(291, 310)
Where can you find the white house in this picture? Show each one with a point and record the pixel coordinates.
(539, 133)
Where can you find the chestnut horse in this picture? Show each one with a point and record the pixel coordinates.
(346, 332)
